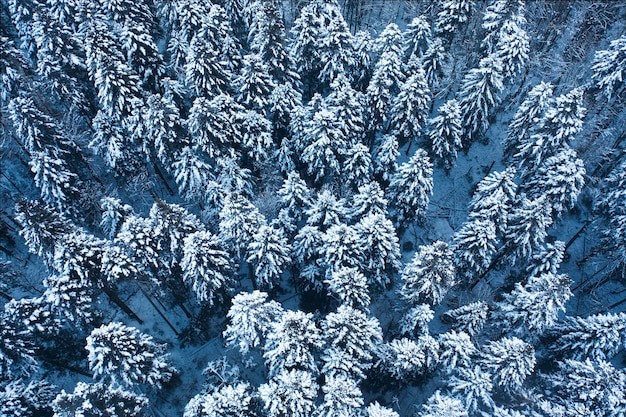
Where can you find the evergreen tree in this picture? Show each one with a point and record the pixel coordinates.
(256, 135)
(336, 52)
(510, 361)
(409, 189)
(357, 168)
(239, 222)
(206, 267)
(457, 350)
(474, 245)
(547, 259)
(598, 337)
(362, 71)
(294, 195)
(350, 286)
(404, 359)
(342, 397)
(415, 320)
(478, 95)
(527, 227)
(254, 85)
(562, 121)
(433, 61)
(227, 400)
(385, 84)
(268, 252)
(250, 317)
(608, 67)
(560, 179)
(291, 343)
(445, 132)
(417, 37)
(442, 405)
(469, 318)
(290, 393)
(377, 240)
(589, 387)
(409, 108)
(99, 400)
(21, 399)
(308, 250)
(348, 105)
(451, 15)
(369, 200)
(341, 247)
(205, 73)
(376, 410)
(125, 356)
(473, 385)
(385, 158)
(352, 332)
(326, 210)
(191, 173)
(389, 40)
(513, 47)
(493, 198)
(527, 117)
(429, 275)
(535, 306)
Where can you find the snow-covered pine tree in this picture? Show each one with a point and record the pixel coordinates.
(99, 400)
(324, 145)
(513, 47)
(380, 248)
(254, 85)
(403, 359)
(429, 275)
(390, 39)
(409, 109)
(510, 361)
(589, 387)
(250, 317)
(239, 220)
(191, 173)
(415, 320)
(268, 40)
(17, 350)
(308, 251)
(268, 252)
(560, 178)
(473, 385)
(357, 168)
(342, 397)
(19, 398)
(307, 31)
(377, 410)
(608, 67)
(497, 14)
(493, 198)
(370, 199)
(561, 123)
(326, 210)
(350, 286)
(547, 259)
(439, 405)
(417, 37)
(469, 318)
(290, 393)
(527, 117)
(409, 189)
(445, 132)
(206, 267)
(227, 400)
(336, 46)
(433, 61)
(385, 157)
(348, 105)
(474, 245)
(533, 308)
(205, 72)
(163, 134)
(256, 136)
(527, 226)
(457, 350)
(385, 84)
(341, 247)
(362, 43)
(599, 336)
(452, 13)
(352, 332)
(294, 195)
(214, 124)
(125, 356)
(291, 343)
(284, 101)
(478, 96)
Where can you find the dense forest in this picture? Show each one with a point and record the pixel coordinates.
(325, 208)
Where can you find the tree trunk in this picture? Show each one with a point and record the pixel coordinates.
(121, 304)
(169, 323)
